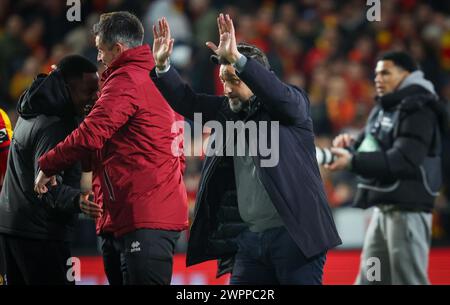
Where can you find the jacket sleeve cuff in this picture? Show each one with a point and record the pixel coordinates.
(370, 164)
(44, 165)
(160, 72)
(239, 65)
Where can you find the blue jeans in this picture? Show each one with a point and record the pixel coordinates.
(272, 258)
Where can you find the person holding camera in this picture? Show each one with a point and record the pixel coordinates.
(397, 158)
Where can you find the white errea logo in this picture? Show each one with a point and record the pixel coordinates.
(135, 246)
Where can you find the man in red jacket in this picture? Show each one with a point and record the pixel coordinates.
(141, 181)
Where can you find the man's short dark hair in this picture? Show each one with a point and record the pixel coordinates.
(73, 66)
(401, 60)
(122, 27)
(247, 50)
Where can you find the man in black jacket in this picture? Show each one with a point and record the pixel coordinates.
(266, 222)
(35, 232)
(398, 159)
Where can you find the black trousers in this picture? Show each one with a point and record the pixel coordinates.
(26, 261)
(112, 261)
(141, 257)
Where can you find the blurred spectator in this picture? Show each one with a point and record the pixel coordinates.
(203, 21)
(12, 52)
(341, 107)
(57, 53)
(179, 24)
(24, 77)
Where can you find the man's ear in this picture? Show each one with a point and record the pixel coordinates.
(119, 48)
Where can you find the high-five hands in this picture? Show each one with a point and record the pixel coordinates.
(227, 46)
(162, 43)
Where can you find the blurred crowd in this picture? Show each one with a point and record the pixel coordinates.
(327, 47)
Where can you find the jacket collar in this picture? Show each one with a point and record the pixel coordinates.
(140, 56)
(251, 107)
(393, 99)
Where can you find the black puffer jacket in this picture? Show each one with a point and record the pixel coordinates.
(46, 118)
(403, 167)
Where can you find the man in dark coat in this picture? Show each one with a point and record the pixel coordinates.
(263, 215)
(35, 231)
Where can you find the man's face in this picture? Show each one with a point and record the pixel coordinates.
(106, 55)
(388, 77)
(234, 89)
(84, 92)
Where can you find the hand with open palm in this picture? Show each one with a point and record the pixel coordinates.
(162, 43)
(227, 46)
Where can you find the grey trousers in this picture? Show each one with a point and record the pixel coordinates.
(396, 248)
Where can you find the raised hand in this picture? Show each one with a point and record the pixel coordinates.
(227, 46)
(162, 43)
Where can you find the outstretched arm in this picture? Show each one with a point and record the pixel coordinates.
(106, 117)
(177, 93)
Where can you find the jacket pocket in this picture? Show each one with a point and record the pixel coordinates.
(109, 185)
